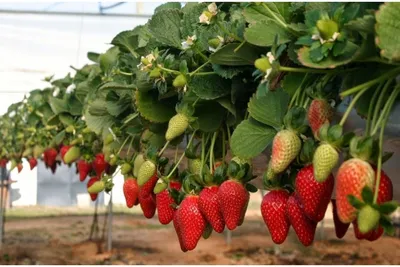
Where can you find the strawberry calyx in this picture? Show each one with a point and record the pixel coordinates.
(295, 120)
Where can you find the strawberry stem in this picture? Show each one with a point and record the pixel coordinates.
(176, 153)
(392, 98)
(223, 145)
(297, 92)
(305, 70)
(199, 68)
(163, 149)
(370, 117)
(182, 156)
(386, 111)
(378, 105)
(129, 147)
(351, 105)
(355, 89)
(123, 144)
(212, 149)
(169, 70)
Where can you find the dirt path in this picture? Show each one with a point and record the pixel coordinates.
(63, 240)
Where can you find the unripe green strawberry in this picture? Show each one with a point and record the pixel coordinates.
(137, 163)
(262, 64)
(285, 148)
(160, 187)
(214, 42)
(179, 81)
(367, 219)
(37, 151)
(155, 73)
(195, 166)
(177, 125)
(70, 129)
(72, 155)
(325, 159)
(327, 28)
(352, 176)
(109, 139)
(96, 187)
(126, 168)
(146, 171)
(113, 160)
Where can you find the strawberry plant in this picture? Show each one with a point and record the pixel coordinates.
(245, 78)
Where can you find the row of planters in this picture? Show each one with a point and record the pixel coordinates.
(237, 78)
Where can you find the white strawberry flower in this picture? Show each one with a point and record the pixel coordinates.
(204, 19)
(271, 57)
(70, 88)
(56, 92)
(189, 42)
(213, 9)
(12, 114)
(322, 41)
(150, 58)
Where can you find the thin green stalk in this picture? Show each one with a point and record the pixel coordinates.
(195, 102)
(350, 107)
(386, 109)
(169, 70)
(384, 122)
(223, 145)
(164, 147)
(125, 73)
(387, 75)
(298, 90)
(182, 156)
(199, 68)
(378, 105)
(212, 149)
(305, 70)
(176, 153)
(204, 73)
(203, 152)
(240, 46)
(130, 146)
(277, 19)
(306, 102)
(229, 134)
(201, 54)
(371, 108)
(123, 144)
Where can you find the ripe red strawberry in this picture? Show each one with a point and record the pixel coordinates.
(164, 201)
(314, 196)
(233, 199)
(273, 210)
(302, 225)
(91, 181)
(319, 112)
(63, 151)
(370, 236)
(340, 228)
(178, 229)
(49, 156)
(191, 221)
(32, 163)
(3, 162)
(99, 164)
(353, 175)
(147, 198)
(357, 232)
(285, 148)
(209, 207)
(53, 168)
(148, 187)
(84, 168)
(131, 191)
(20, 167)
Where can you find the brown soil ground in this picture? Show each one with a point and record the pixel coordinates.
(136, 240)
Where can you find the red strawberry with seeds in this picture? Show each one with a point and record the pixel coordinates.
(89, 184)
(49, 156)
(319, 113)
(164, 202)
(233, 199)
(191, 221)
(131, 191)
(99, 164)
(32, 163)
(302, 225)
(353, 175)
(340, 228)
(178, 229)
(147, 204)
(315, 196)
(209, 207)
(84, 168)
(148, 187)
(63, 151)
(273, 210)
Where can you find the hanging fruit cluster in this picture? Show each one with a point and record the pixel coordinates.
(181, 105)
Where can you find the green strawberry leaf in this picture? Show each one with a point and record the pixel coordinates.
(209, 87)
(109, 59)
(256, 13)
(291, 82)
(334, 133)
(209, 115)
(165, 27)
(388, 207)
(127, 41)
(93, 56)
(355, 202)
(227, 72)
(117, 86)
(269, 109)
(58, 105)
(245, 55)
(364, 25)
(170, 5)
(388, 30)
(263, 33)
(367, 195)
(387, 225)
(250, 138)
(190, 20)
(153, 109)
(98, 124)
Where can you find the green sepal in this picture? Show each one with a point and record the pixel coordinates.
(367, 195)
(388, 207)
(160, 187)
(355, 202)
(387, 225)
(251, 188)
(295, 119)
